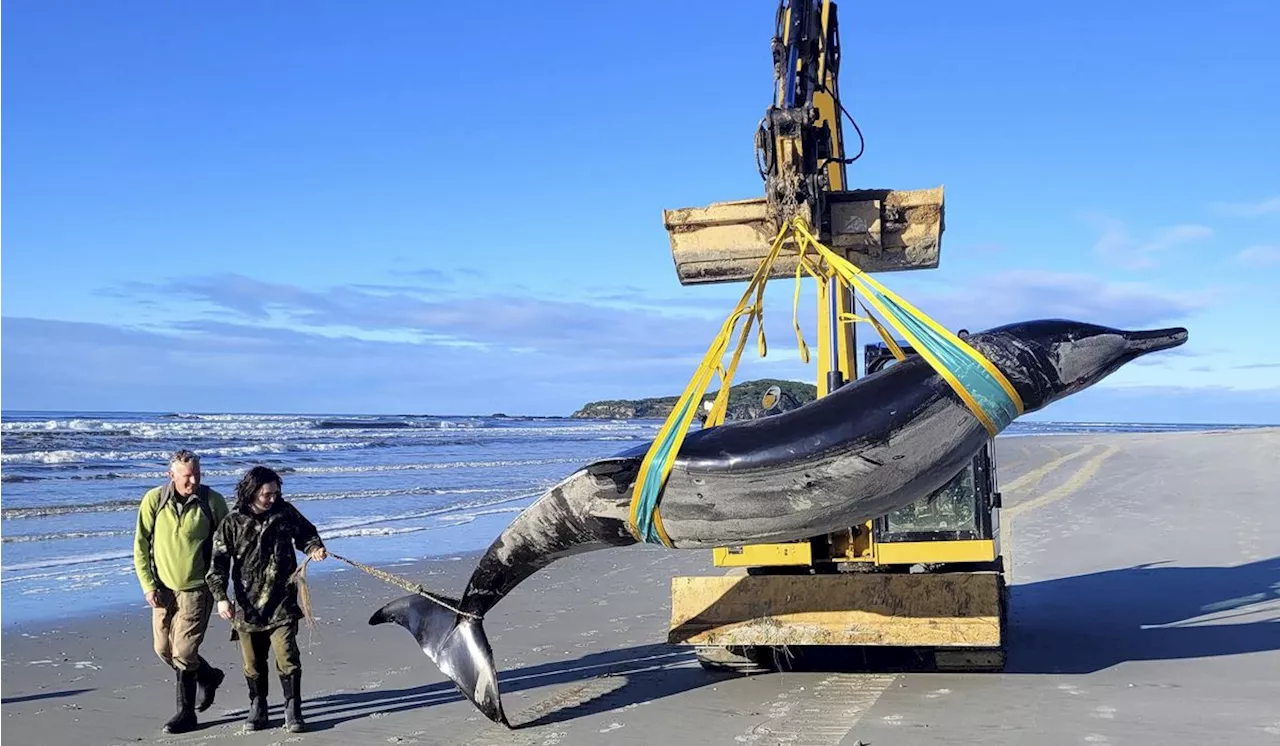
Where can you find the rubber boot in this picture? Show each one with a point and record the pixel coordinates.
(292, 685)
(185, 719)
(257, 719)
(209, 679)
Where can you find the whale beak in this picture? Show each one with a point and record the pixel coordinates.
(1140, 343)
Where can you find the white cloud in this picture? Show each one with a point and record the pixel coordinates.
(1020, 294)
(277, 346)
(230, 367)
(1267, 206)
(1117, 244)
(1260, 256)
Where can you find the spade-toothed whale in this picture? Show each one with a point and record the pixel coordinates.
(864, 450)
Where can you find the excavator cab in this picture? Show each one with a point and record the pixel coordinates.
(966, 509)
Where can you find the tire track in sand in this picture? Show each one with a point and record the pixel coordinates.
(1032, 479)
(1078, 479)
(818, 715)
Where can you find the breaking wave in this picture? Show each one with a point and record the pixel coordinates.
(372, 525)
(66, 456)
(114, 506)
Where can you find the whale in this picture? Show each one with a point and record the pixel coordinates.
(874, 445)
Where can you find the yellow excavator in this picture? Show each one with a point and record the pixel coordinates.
(928, 578)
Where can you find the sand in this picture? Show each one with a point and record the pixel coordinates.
(1144, 608)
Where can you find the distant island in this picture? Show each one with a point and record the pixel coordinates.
(745, 402)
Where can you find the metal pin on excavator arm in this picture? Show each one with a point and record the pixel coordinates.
(788, 142)
(798, 148)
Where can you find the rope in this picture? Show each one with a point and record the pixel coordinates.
(304, 598)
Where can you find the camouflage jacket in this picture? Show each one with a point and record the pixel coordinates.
(262, 547)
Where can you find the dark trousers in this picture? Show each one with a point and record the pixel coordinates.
(283, 640)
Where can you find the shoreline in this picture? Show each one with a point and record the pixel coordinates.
(1034, 418)
(125, 605)
(315, 571)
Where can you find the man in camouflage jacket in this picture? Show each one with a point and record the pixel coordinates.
(261, 535)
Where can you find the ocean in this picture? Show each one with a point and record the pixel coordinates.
(381, 489)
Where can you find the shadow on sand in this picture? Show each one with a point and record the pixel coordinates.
(1091, 622)
(616, 678)
(1072, 625)
(1087, 623)
(43, 695)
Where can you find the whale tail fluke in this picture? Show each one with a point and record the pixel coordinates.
(455, 643)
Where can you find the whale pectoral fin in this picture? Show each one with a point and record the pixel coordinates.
(611, 467)
(456, 644)
(621, 471)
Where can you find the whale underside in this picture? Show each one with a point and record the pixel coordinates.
(898, 435)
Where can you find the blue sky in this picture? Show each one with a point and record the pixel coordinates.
(400, 207)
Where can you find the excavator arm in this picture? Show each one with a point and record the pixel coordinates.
(735, 620)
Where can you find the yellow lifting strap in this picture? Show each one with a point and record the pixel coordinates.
(980, 385)
(645, 523)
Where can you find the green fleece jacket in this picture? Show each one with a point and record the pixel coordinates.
(169, 546)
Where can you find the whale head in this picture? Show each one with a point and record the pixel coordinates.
(1047, 360)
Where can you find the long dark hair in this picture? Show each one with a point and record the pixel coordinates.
(252, 481)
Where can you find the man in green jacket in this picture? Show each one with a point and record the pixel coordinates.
(172, 544)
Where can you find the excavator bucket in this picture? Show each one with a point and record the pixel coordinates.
(878, 230)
